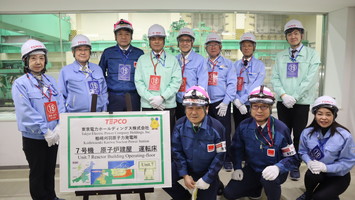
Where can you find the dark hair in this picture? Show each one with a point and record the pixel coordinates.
(301, 30)
(333, 127)
(26, 68)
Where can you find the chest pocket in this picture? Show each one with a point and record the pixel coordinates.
(333, 150)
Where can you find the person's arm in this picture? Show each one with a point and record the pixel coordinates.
(177, 150)
(275, 76)
(28, 118)
(175, 80)
(103, 63)
(202, 74)
(237, 149)
(141, 86)
(62, 86)
(231, 84)
(303, 149)
(311, 77)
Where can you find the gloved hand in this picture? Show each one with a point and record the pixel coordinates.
(318, 166)
(56, 130)
(310, 167)
(270, 173)
(242, 108)
(201, 184)
(222, 109)
(288, 101)
(161, 107)
(237, 175)
(51, 137)
(156, 101)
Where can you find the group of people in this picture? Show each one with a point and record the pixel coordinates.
(198, 93)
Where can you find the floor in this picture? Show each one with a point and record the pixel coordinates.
(14, 186)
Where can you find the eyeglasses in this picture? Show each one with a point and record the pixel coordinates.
(212, 45)
(262, 107)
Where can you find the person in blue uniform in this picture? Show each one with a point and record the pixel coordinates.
(79, 81)
(198, 149)
(193, 67)
(38, 103)
(250, 73)
(294, 79)
(328, 149)
(118, 64)
(221, 87)
(266, 146)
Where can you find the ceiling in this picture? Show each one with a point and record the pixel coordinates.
(267, 6)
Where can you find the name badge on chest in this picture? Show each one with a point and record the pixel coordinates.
(240, 83)
(183, 85)
(270, 152)
(51, 109)
(316, 153)
(94, 87)
(154, 82)
(212, 78)
(124, 72)
(292, 70)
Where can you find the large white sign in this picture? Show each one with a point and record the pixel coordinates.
(101, 151)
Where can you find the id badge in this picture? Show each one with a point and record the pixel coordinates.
(210, 147)
(292, 70)
(124, 72)
(271, 152)
(135, 64)
(316, 153)
(51, 109)
(154, 82)
(94, 87)
(212, 78)
(183, 85)
(240, 83)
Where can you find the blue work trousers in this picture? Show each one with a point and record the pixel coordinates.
(117, 102)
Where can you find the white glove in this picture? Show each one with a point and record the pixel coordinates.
(318, 166)
(270, 173)
(161, 107)
(156, 101)
(288, 101)
(222, 109)
(51, 137)
(237, 175)
(242, 108)
(310, 167)
(201, 184)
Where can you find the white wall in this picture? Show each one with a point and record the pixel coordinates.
(340, 62)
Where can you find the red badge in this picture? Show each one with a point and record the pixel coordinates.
(210, 147)
(154, 82)
(135, 64)
(212, 78)
(183, 85)
(51, 109)
(271, 152)
(240, 83)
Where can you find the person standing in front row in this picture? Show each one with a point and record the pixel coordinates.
(250, 74)
(266, 146)
(294, 79)
(198, 149)
(158, 76)
(328, 149)
(193, 67)
(221, 87)
(38, 103)
(118, 64)
(79, 81)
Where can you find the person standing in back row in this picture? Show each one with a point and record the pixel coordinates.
(250, 74)
(294, 79)
(119, 64)
(193, 67)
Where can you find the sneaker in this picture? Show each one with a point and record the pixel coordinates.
(295, 174)
(228, 166)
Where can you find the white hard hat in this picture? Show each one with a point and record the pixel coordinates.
(196, 96)
(122, 24)
(325, 102)
(186, 31)
(213, 37)
(261, 94)
(32, 46)
(80, 40)
(247, 37)
(156, 30)
(293, 23)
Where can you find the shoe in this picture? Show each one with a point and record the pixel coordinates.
(255, 198)
(295, 174)
(228, 166)
(56, 198)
